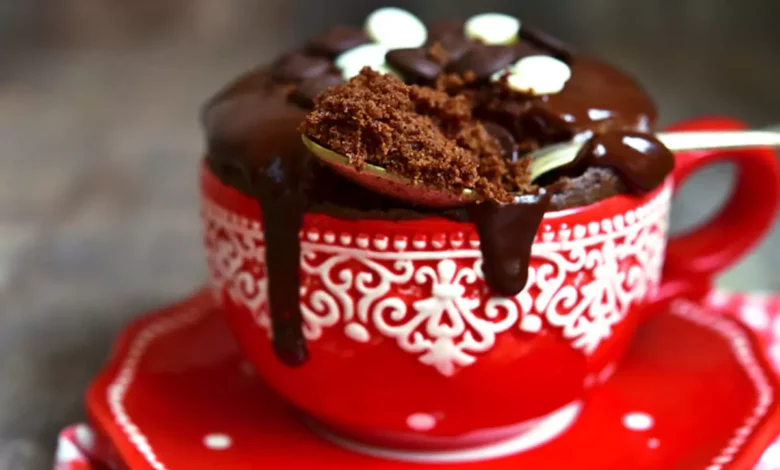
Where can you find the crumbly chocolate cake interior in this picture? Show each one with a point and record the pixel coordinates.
(458, 118)
(418, 132)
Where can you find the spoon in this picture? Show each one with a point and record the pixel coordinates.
(543, 160)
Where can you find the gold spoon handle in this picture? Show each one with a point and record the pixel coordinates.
(555, 156)
(552, 157)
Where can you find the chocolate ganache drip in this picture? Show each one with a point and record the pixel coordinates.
(472, 125)
(253, 146)
(506, 233)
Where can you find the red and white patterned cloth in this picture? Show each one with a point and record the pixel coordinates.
(77, 448)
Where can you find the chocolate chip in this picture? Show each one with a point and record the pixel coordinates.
(310, 88)
(484, 61)
(504, 139)
(544, 41)
(298, 66)
(337, 40)
(414, 63)
(456, 45)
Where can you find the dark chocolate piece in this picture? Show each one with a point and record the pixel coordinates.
(415, 64)
(450, 36)
(298, 66)
(337, 40)
(456, 45)
(544, 41)
(484, 61)
(307, 90)
(526, 49)
(438, 54)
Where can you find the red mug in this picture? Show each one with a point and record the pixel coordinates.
(410, 352)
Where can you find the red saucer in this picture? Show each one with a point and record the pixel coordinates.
(693, 392)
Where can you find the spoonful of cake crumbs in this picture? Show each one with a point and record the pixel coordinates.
(413, 134)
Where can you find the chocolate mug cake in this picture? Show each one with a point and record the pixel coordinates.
(452, 105)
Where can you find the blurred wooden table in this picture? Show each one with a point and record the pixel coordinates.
(100, 142)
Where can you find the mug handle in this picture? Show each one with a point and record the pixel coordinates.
(695, 257)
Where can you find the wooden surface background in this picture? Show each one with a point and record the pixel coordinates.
(100, 143)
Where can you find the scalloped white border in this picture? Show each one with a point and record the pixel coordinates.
(739, 342)
(536, 433)
(550, 231)
(116, 392)
(743, 351)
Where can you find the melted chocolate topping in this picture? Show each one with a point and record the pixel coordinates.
(283, 198)
(254, 146)
(506, 233)
(641, 159)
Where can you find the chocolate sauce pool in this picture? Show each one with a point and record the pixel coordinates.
(253, 145)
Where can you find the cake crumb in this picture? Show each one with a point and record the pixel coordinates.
(419, 132)
(438, 54)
